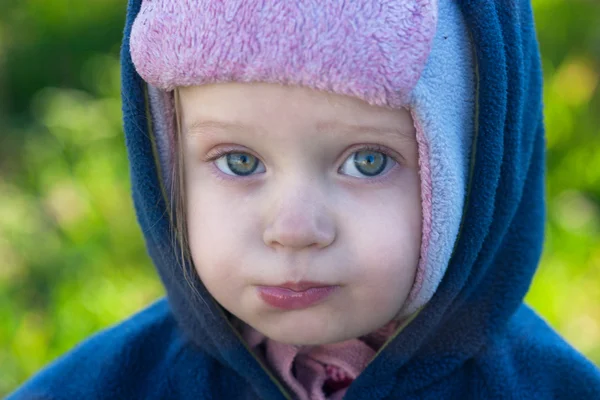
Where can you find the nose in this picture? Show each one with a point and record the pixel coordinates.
(299, 220)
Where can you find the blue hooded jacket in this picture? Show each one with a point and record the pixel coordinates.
(475, 339)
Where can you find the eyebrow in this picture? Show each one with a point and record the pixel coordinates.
(200, 127)
(328, 126)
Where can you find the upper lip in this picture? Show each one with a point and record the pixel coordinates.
(302, 286)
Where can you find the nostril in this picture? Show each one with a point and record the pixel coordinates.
(295, 236)
(294, 239)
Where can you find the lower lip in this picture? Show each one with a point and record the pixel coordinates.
(288, 299)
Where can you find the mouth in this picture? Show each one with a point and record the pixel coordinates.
(302, 286)
(295, 295)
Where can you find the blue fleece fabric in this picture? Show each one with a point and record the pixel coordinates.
(474, 340)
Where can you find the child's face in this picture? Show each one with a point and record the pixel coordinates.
(317, 188)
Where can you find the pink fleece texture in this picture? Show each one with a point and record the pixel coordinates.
(426, 204)
(373, 50)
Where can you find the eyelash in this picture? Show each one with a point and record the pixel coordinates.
(224, 151)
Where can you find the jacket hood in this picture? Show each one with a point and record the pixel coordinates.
(477, 106)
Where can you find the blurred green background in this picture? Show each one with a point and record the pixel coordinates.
(72, 259)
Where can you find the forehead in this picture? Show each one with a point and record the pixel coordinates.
(266, 104)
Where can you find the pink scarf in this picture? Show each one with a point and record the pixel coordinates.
(318, 372)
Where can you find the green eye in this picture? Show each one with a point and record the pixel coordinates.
(240, 164)
(370, 163)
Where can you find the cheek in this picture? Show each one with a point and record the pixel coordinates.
(385, 237)
(220, 230)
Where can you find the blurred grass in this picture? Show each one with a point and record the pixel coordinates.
(72, 257)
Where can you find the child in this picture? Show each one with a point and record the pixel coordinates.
(343, 199)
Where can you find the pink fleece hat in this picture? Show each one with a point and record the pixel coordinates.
(373, 50)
